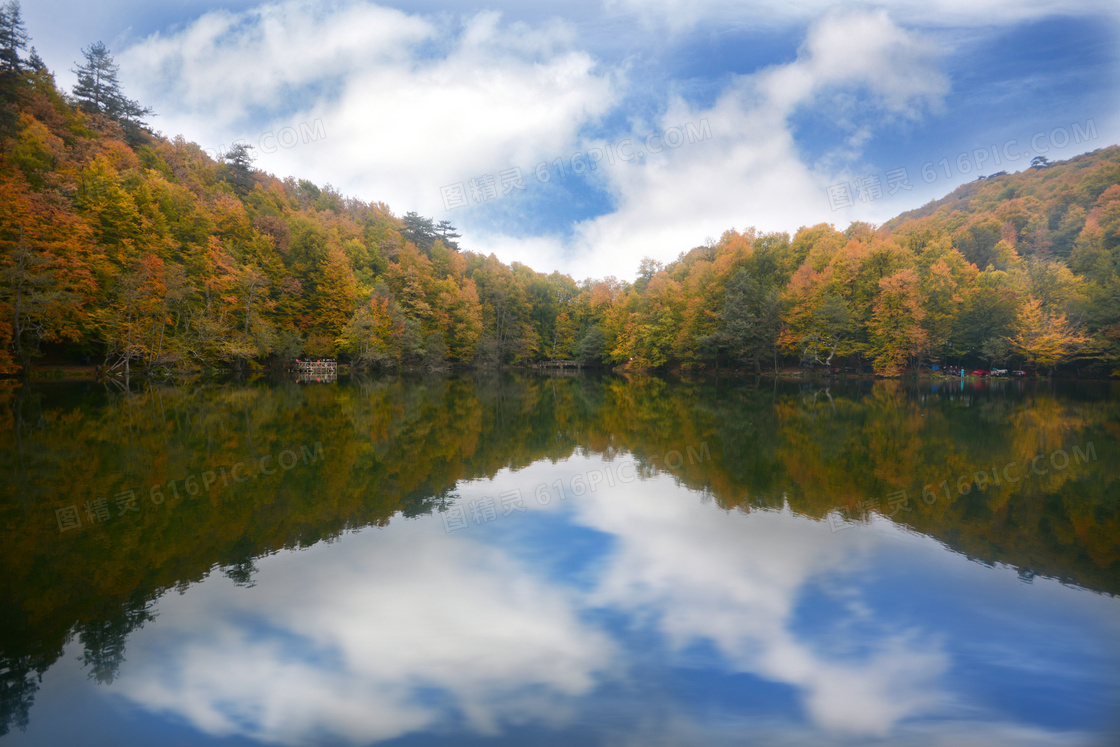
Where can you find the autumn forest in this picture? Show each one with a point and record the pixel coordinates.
(140, 253)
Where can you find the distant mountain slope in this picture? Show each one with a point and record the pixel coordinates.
(1047, 206)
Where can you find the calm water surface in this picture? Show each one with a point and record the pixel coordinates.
(554, 561)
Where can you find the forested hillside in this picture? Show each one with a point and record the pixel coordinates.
(142, 253)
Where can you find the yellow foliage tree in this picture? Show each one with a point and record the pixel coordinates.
(896, 323)
(1045, 338)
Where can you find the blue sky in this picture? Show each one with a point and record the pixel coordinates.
(697, 116)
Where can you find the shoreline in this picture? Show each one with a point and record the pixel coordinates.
(84, 372)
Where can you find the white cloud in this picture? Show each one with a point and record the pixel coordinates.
(342, 641)
(680, 15)
(866, 49)
(407, 103)
(229, 64)
(751, 171)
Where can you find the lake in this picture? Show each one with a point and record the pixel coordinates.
(510, 559)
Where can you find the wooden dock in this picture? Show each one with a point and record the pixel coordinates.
(319, 370)
(559, 364)
(315, 366)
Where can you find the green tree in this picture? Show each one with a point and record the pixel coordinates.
(996, 350)
(34, 302)
(446, 233)
(98, 89)
(13, 38)
(593, 346)
(35, 62)
(750, 320)
(822, 331)
(419, 230)
(239, 168)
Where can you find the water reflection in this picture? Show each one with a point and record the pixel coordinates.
(370, 638)
(702, 599)
(664, 566)
(329, 377)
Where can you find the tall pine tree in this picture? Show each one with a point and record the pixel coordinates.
(13, 37)
(98, 89)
